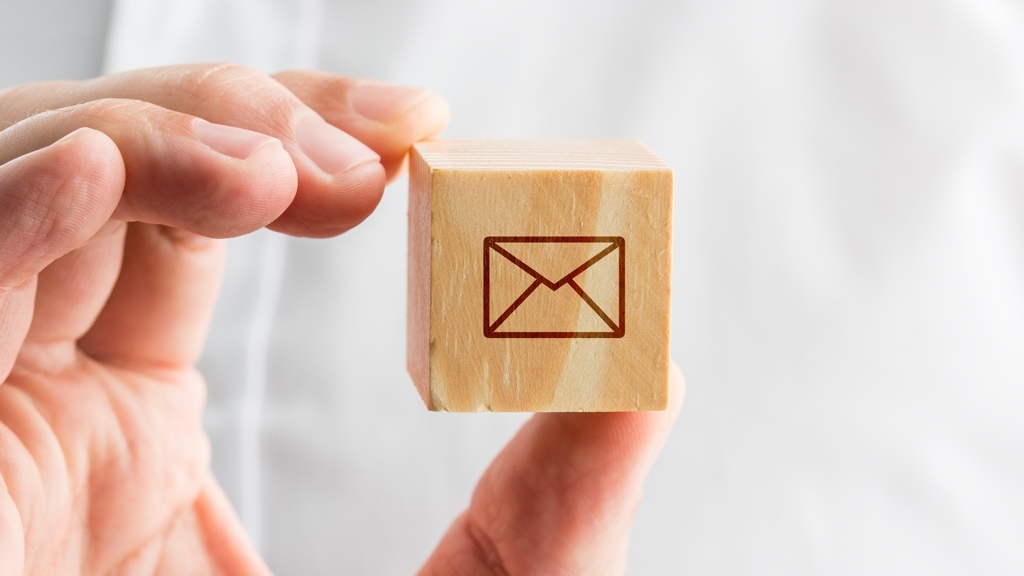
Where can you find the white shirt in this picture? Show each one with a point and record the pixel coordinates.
(848, 278)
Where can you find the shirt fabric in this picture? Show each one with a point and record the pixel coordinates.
(848, 275)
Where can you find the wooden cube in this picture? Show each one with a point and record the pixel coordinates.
(539, 275)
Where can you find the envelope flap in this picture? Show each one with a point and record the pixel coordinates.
(555, 257)
(553, 311)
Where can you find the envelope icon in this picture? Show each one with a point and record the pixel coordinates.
(554, 287)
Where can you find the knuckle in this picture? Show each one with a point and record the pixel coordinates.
(214, 80)
(325, 93)
(332, 91)
(487, 551)
(113, 115)
(256, 97)
(106, 110)
(20, 102)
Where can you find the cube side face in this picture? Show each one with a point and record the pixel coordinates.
(418, 314)
(549, 290)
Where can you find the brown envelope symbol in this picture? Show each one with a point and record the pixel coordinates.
(518, 250)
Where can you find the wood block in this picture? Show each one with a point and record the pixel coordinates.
(539, 275)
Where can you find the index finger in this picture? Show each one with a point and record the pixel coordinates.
(340, 180)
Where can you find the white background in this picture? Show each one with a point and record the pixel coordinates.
(848, 272)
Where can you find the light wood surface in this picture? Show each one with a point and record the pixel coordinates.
(539, 275)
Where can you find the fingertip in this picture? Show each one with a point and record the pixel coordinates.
(426, 119)
(62, 195)
(362, 188)
(325, 211)
(434, 113)
(93, 157)
(676, 389)
(83, 135)
(81, 176)
(94, 181)
(388, 118)
(394, 167)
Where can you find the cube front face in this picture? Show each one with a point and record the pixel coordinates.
(545, 285)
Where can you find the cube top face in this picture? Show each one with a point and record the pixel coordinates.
(539, 275)
(530, 155)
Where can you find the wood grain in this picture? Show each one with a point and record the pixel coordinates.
(539, 275)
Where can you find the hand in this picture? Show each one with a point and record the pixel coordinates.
(103, 463)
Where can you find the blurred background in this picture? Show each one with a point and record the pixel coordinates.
(848, 300)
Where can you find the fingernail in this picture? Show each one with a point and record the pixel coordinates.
(329, 148)
(230, 141)
(383, 102)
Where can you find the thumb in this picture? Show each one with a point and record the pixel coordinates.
(560, 498)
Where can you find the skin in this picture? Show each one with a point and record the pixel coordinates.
(112, 208)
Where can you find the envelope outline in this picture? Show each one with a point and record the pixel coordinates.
(616, 243)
